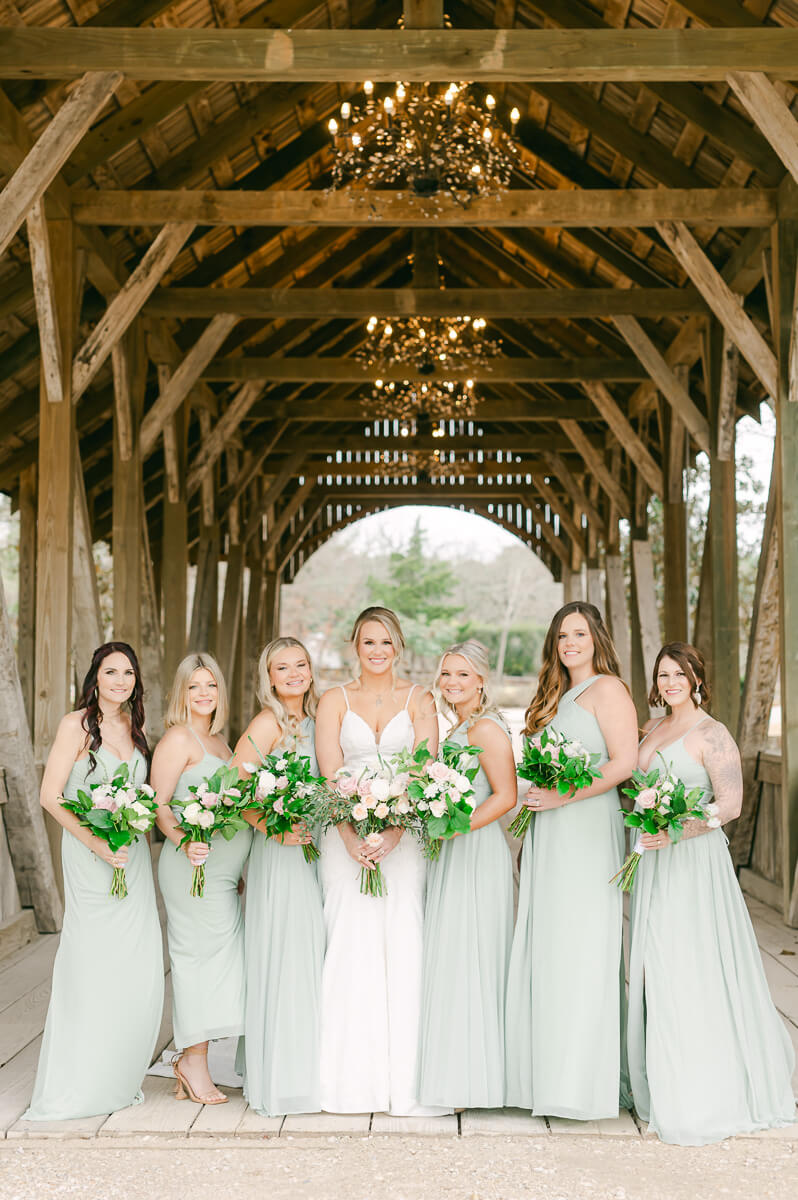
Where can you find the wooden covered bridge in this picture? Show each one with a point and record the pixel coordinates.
(183, 314)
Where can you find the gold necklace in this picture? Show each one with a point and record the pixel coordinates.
(380, 696)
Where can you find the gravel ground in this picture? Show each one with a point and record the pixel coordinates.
(398, 1168)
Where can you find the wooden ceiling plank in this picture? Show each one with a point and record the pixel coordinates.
(350, 370)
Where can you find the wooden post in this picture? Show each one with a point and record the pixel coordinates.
(149, 651)
(617, 615)
(227, 640)
(238, 684)
(87, 629)
(646, 638)
(174, 556)
(271, 606)
(26, 597)
(128, 498)
(674, 519)
(785, 262)
(253, 640)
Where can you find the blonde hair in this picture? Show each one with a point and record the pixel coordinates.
(178, 708)
(268, 697)
(554, 680)
(386, 617)
(478, 657)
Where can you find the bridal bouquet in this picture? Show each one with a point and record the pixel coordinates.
(116, 811)
(215, 809)
(371, 800)
(662, 805)
(552, 760)
(284, 793)
(440, 789)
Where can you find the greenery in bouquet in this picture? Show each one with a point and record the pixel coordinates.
(116, 810)
(553, 761)
(214, 808)
(440, 790)
(285, 794)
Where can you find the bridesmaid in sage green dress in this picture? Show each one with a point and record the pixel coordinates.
(709, 1056)
(205, 933)
(107, 993)
(279, 1053)
(468, 918)
(565, 992)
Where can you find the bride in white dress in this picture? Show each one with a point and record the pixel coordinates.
(371, 982)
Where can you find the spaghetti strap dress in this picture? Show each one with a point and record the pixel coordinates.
(284, 940)
(107, 991)
(205, 933)
(468, 929)
(566, 1031)
(709, 1055)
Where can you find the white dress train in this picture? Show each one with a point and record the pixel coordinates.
(371, 981)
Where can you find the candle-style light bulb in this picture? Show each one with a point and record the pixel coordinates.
(346, 110)
(515, 117)
(490, 101)
(332, 125)
(388, 330)
(356, 140)
(400, 92)
(388, 104)
(368, 88)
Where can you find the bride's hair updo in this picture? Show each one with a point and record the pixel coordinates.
(478, 658)
(386, 617)
(268, 696)
(554, 680)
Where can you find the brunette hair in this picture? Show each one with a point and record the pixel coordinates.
(695, 668)
(386, 617)
(268, 696)
(478, 657)
(178, 709)
(89, 701)
(554, 679)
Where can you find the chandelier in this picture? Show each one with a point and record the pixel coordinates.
(426, 138)
(431, 345)
(429, 464)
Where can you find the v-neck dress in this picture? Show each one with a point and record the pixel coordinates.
(565, 1032)
(709, 1056)
(107, 991)
(205, 933)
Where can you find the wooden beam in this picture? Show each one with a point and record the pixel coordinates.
(494, 56)
(26, 589)
(350, 370)
(44, 291)
(569, 208)
(50, 152)
(766, 108)
(273, 493)
(230, 624)
(174, 545)
(278, 526)
(727, 400)
(128, 490)
(225, 427)
(87, 629)
(126, 304)
(569, 484)
(184, 378)
(628, 437)
(665, 379)
(326, 303)
(722, 301)
(595, 464)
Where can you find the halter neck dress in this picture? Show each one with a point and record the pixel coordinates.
(565, 992)
(107, 990)
(709, 1055)
(468, 929)
(205, 933)
(284, 940)
(371, 981)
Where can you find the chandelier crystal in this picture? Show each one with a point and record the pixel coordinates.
(428, 464)
(427, 137)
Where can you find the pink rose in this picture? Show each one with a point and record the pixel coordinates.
(347, 785)
(209, 799)
(438, 771)
(364, 788)
(359, 812)
(648, 798)
(381, 811)
(278, 806)
(106, 802)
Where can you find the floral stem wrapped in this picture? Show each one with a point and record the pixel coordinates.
(213, 808)
(117, 811)
(371, 800)
(285, 795)
(662, 805)
(440, 790)
(554, 761)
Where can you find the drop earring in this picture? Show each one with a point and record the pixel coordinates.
(697, 695)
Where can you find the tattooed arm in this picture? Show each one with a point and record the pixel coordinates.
(720, 756)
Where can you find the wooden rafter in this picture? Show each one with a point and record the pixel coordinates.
(350, 370)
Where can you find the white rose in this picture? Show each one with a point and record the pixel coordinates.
(281, 764)
(438, 808)
(374, 839)
(396, 787)
(192, 812)
(666, 785)
(380, 790)
(147, 790)
(462, 782)
(141, 825)
(575, 750)
(282, 783)
(432, 790)
(266, 783)
(382, 811)
(103, 792)
(403, 807)
(422, 805)
(359, 812)
(205, 818)
(139, 808)
(454, 795)
(203, 787)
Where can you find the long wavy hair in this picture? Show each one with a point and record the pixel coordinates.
(268, 697)
(89, 701)
(178, 708)
(554, 680)
(478, 658)
(694, 666)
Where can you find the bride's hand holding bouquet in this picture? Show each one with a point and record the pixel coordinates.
(375, 803)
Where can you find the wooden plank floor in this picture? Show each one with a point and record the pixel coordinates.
(24, 993)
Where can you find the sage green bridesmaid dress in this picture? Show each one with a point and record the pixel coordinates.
(566, 1032)
(468, 929)
(285, 938)
(205, 933)
(107, 991)
(709, 1056)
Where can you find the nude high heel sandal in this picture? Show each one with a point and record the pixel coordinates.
(184, 1090)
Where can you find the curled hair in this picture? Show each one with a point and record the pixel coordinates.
(90, 703)
(267, 695)
(554, 680)
(695, 668)
(386, 617)
(178, 708)
(477, 656)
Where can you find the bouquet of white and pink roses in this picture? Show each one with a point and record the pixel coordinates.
(371, 800)
(117, 811)
(284, 793)
(215, 808)
(662, 805)
(551, 760)
(440, 790)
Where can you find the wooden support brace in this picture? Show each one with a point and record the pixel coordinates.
(225, 427)
(766, 108)
(727, 400)
(631, 441)
(44, 293)
(278, 526)
(273, 493)
(595, 464)
(559, 469)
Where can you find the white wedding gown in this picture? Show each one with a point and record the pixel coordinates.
(371, 982)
